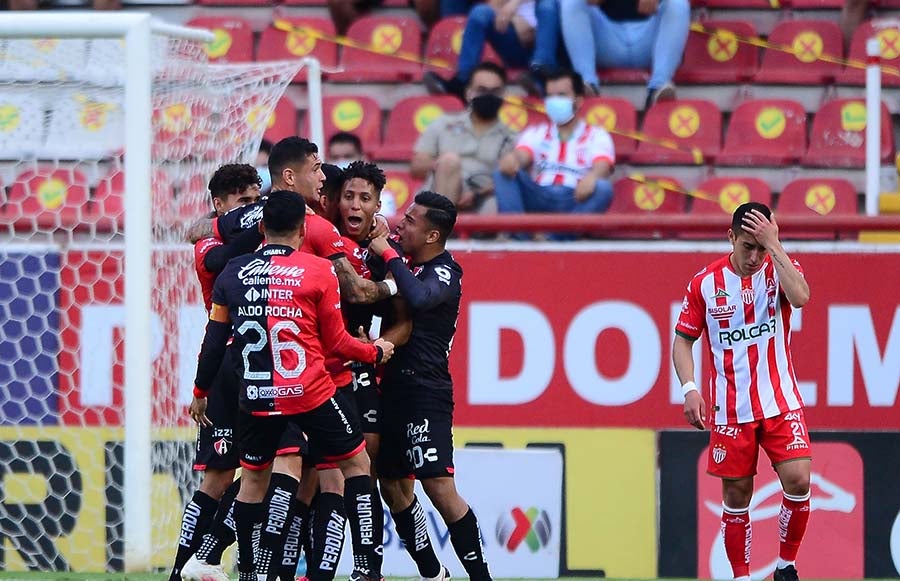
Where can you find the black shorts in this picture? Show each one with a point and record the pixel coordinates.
(416, 433)
(345, 398)
(216, 444)
(368, 398)
(333, 430)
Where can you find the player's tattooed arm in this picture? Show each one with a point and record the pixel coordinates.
(765, 230)
(202, 228)
(356, 289)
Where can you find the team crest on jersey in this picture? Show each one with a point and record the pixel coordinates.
(722, 313)
(718, 453)
(747, 296)
(417, 270)
(222, 446)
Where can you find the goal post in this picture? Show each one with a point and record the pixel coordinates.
(114, 180)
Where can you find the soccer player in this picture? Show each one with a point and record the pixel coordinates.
(417, 391)
(283, 307)
(231, 186)
(744, 302)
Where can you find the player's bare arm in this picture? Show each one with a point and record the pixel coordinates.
(202, 228)
(422, 164)
(356, 289)
(584, 189)
(398, 333)
(795, 287)
(380, 226)
(682, 357)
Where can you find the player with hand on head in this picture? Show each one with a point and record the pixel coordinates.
(743, 302)
(417, 392)
(283, 307)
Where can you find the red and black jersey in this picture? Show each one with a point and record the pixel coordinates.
(285, 310)
(322, 238)
(206, 277)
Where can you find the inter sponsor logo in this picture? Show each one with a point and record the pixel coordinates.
(253, 294)
(730, 337)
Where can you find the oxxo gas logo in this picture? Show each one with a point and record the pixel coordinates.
(530, 527)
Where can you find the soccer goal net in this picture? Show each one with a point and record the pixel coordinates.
(110, 127)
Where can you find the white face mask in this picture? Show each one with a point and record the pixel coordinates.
(266, 178)
(559, 109)
(343, 163)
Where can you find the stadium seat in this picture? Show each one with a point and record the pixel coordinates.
(716, 56)
(765, 132)
(21, 123)
(358, 114)
(236, 2)
(722, 195)
(175, 134)
(817, 197)
(838, 137)
(633, 198)
(301, 41)
(282, 122)
(191, 198)
(304, 2)
(888, 34)
(689, 123)
(234, 38)
(518, 113)
(44, 59)
(398, 193)
(817, 4)
(613, 113)
(85, 125)
(810, 39)
(444, 42)
(624, 76)
(48, 197)
(407, 120)
(393, 51)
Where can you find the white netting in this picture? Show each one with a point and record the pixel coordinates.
(62, 119)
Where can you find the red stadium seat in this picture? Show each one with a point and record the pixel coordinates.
(810, 39)
(634, 198)
(765, 132)
(108, 203)
(838, 137)
(398, 193)
(304, 2)
(48, 197)
(282, 122)
(301, 41)
(517, 113)
(716, 56)
(236, 2)
(394, 45)
(234, 38)
(356, 114)
(888, 34)
(722, 195)
(407, 120)
(444, 42)
(817, 4)
(22, 132)
(624, 76)
(689, 123)
(613, 113)
(817, 197)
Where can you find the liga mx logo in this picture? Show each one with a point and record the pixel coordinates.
(531, 527)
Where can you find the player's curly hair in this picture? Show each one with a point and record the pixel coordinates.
(233, 178)
(366, 171)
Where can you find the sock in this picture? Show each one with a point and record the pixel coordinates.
(359, 501)
(327, 536)
(792, 521)
(278, 502)
(307, 540)
(378, 528)
(221, 533)
(248, 519)
(412, 528)
(293, 540)
(466, 539)
(198, 514)
(738, 534)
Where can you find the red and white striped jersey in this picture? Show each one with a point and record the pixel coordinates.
(748, 339)
(563, 163)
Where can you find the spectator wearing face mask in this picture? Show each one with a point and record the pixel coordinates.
(262, 165)
(561, 166)
(343, 149)
(458, 152)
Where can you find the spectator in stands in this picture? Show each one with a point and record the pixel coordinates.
(627, 34)
(852, 15)
(569, 160)
(525, 33)
(262, 165)
(343, 149)
(458, 152)
(345, 12)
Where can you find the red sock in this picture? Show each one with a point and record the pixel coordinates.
(792, 524)
(738, 534)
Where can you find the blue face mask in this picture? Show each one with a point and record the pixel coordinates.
(266, 178)
(559, 109)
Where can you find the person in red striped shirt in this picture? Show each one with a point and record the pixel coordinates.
(743, 302)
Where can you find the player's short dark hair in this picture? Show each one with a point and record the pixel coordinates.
(232, 178)
(737, 219)
(284, 212)
(346, 137)
(577, 81)
(331, 190)
(491, 68)
(290, 150)
(441, 211)
(366, 171)
(265, 146)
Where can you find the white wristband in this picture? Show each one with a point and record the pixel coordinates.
(689, 387)
(392, 286)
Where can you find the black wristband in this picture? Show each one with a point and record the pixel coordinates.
(380, 354)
